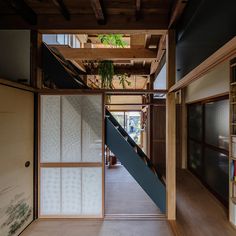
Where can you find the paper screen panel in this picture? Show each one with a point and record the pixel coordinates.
(50, 191)
(50, 128)
(92, 191)
(92, 128)
(71, 191)
(71, 128)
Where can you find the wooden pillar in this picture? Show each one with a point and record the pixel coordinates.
(183, 130)
(170, 128)
(150, 135)
(36, 75)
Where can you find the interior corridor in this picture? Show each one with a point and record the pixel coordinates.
(125, 196)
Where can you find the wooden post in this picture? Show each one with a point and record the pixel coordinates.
(150, 114)
(170, 128)
(184, 130)
(35, 60)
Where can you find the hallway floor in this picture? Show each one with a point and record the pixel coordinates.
(124, 195)
(98, 228)
(199, 213)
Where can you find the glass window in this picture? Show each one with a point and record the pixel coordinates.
(120, 117)
(207, 152)
(133, 125)
(216, 172)
(195, 121)
(195, 157)
(217, 123)
(131, 122)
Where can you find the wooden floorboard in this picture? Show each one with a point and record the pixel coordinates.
(98, 228)
(199, 213)
(125, 196)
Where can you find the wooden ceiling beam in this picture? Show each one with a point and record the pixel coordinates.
(98, 54)
(21, 8)
(177, 11)
(63, 9)
(99, 12)
(138, 10)
(106, 91)
(47, 23)
(160, 54)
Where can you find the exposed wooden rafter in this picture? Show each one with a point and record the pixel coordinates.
(63, 9)
(23, 10)
(160, 54)
(49, 23)
(106, 91)
(98, 54)
(177, 11)
(138, 9)
(98, 9)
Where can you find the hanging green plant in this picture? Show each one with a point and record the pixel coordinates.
(115, 40)
(106, 72)
(124, 80)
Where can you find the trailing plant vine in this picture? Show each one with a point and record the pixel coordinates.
(106, 71)
(123, 80)
(106, 68)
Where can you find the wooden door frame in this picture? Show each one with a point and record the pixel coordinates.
(94, 164)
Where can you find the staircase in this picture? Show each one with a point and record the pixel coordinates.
(135, 161)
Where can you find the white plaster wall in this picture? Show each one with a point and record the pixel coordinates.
(213, 83)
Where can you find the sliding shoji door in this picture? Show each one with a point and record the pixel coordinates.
(71, 156)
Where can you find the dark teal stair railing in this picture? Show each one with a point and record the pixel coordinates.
(135, 161)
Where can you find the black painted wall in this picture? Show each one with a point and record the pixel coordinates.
(205, 26)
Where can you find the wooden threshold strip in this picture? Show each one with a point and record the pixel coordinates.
(68, 164)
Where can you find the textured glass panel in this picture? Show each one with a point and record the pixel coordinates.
(217, 123)
(216, 172)
(195, 121)
(50, 191)
(92, 128)
(195, 157)
(71, 128)
(50, 128)
(92, 191)
(71, 191)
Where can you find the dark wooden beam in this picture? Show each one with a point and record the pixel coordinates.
(63, 9)
(106, 91)
(138, 9)
(23, 10)
(152, 23)
(177, 11)
(98, 9)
